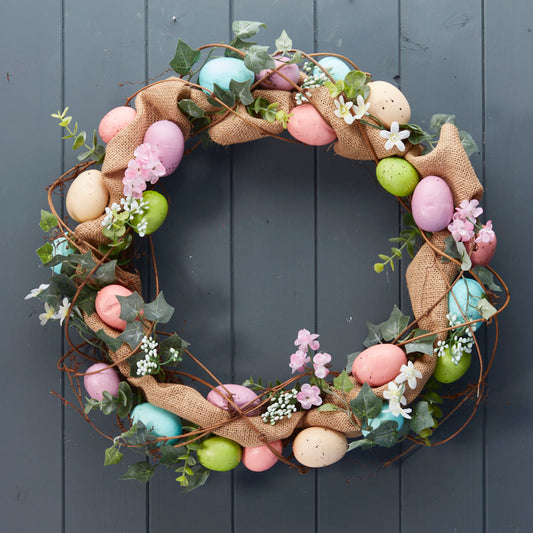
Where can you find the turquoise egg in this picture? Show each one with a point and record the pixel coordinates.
(382, 417)
(467, 292)
(337, 68)
(158, 422)
(61, 247)
(222, 70)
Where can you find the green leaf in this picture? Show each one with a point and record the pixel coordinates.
(198, 479)
(240, 45)
(142, 472)
(421, 418)
(244, 29)
(241, 91)
(170, 455)
(158, 310)
(433, 397)
(350, 358)
(374, 335)
(137, 435)
(258, 59)
(80, 140)
(130, 306)
(439, 119)
(175, 342)
(327, 407)
(355, 79)
(283, 43)
(105, 274)
(85, 300)
(184, 58)
(62, 285)
(486, 278)
(424, 345)
(112, 456)
(84, 155)
(450, 248)
(111, 342)
(342, 382)
(366, 404)
(417, 135)
(360, 443)
(45, 252)
(226, 97)
(468, 143)
(395, 324)
(48, 220)
(486, 308)
(386, 434)
(191, 109)
(466, 262)
(133, 334)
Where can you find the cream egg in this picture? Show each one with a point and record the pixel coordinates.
(316, 447)
(87, 196)
(388, 103)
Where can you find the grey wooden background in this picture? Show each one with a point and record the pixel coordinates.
(262, 240)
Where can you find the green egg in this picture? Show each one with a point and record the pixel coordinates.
(220, 454)
(447, 371)
(397, 176)
(156, 213)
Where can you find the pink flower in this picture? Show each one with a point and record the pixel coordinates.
(320, 360)
(306, 339)
(298, 361)
(133, 180)
(469, 210)
(486, 234)
(309, 395)
(147, 157)
(461, 230)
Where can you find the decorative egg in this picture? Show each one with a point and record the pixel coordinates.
(159, 422)
(108, 307)
(482, 252)
(240, 395)
(335, 66)
(383, 417)
(307, 126)
(292, 72)
(219, 454)
(168, 139)
(116, 120)
(432, 204)
(87, 196)
(378, 364)
(261, 458)
(61, 247)
(316, 447)
(222, 70)
(155, 214)
(388, 103)
(397, 176)
(104, 380)
(447, 370)
(464, 297)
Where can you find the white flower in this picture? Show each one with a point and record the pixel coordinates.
(49, 313)
(63, 311)
(410, 374)
(394, 137)
(35, 292)
(396, 409)
(361, 109)
(395, 393)
(343, 110)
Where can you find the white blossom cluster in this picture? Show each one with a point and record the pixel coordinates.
(174, 355)
(150, 363)
(459, 342)
(282, 404)
(312, 81)
(128, 205)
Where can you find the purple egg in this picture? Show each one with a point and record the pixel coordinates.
(292, 72)
(241, 396)
(106, 380)
(169, 140)
(432, 204)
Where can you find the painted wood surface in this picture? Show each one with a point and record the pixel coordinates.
(263, 239)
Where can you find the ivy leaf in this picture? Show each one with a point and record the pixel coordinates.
(226, 97)
(366, 404)
(158, 310)
(111, 342)
(342, 382)
(395, 324)
(62, 285)
(421, 418)
(258, 59)
(244, 29)
(486, 278)
(241, 91)
(85, 300)
(170, 455)
(360, 443)
(112, 456)
(173, 341)
(45, 252)
(105, 274)
(240, 45)
(468, 143)
(137, 435)
(386, 434)
(327, 407)
(450, 248)
(486, 308)
(48, 220)
(424, 345)
(418, 135)
(130, 306)
(191, 109)
(283, 43)
(350, 358)
(184, 59)
(125, 397)
(133, 334)
(199, 477)
(142, 472)
(374, 335)
(439, 119)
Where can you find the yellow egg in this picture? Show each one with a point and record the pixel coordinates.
(87, 196)
(316, 447)
(388, 103)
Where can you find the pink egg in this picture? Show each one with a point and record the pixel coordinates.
(378, 364)
(432, 204)
(261, 458)
(482, 253)
(241, 396)
(116, 120)
(105, 380)
(307, 126)
(108, 307)
(292, 72)
(169, 140)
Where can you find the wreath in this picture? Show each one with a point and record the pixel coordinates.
(388, 392)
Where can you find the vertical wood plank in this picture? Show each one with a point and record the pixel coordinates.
(99, 55)
(30, 448)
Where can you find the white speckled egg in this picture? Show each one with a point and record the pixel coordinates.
(388, 103)
(222, 70)
(169, 141)
(114, 121)
(432, 204)
(316, 447)
(87, 196)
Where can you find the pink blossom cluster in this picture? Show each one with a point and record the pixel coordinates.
(309, 395)
(464, 221)
(143, 168)
(300, 359)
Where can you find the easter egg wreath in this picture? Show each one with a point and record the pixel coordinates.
(387, 392)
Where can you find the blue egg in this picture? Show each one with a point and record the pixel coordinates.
(467, 292)
(61, 247)
(382, 417)
(222, 70)
(158, 422)
(336, 67)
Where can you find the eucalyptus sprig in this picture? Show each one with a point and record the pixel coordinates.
(269, 111)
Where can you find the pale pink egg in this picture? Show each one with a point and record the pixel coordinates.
(276, 82)
(432, 204)
(261, 458)
(114, 121)
(169, 141)
(105, 380)
(241, 396)
(378, 364)
(108, 307)
(307, 126)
